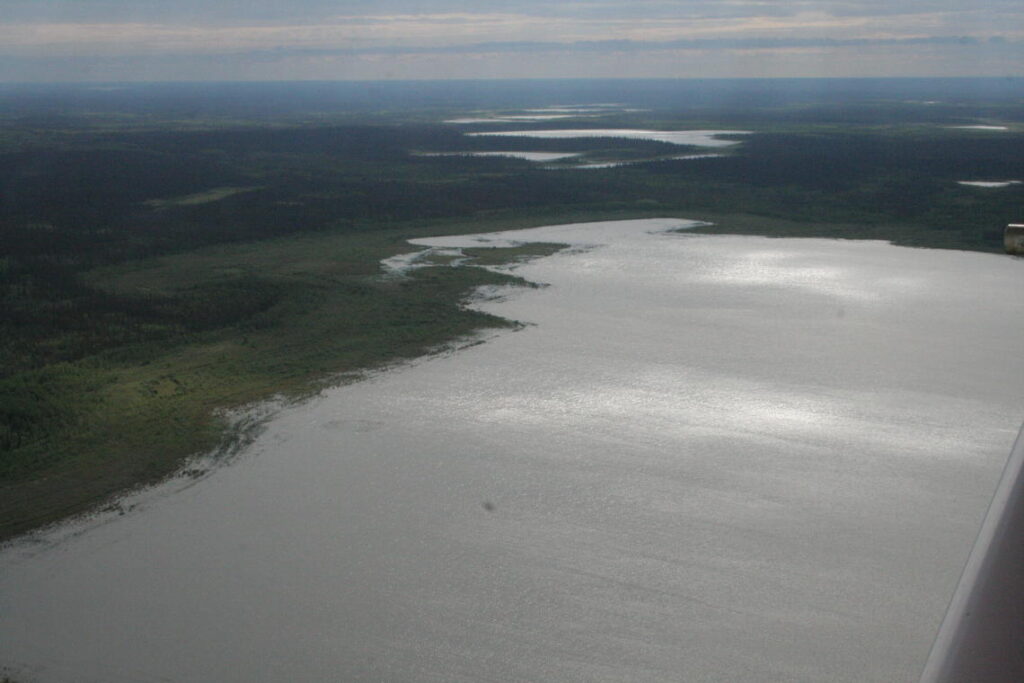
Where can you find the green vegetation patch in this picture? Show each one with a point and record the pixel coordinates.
(493, 256)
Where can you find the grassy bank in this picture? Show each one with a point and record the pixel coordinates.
(133, 413)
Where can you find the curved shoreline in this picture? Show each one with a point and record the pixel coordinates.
(139, 438)
(299, 353)
(696, 435)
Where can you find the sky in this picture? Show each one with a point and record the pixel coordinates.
(160, 40)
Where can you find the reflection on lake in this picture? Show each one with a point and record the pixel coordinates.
(704, 458)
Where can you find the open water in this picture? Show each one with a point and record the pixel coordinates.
(705, 458)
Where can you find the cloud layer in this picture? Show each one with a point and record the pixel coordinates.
(100, 39)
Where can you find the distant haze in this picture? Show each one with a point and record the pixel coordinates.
(151, 40)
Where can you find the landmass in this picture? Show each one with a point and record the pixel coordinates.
(159, 269)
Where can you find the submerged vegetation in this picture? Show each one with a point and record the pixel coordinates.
(156, 268)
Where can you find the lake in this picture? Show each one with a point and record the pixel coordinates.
(702, 458)
(528, 156)
(698, 138)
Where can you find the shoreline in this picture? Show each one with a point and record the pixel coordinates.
(628, 402)
(92, 474)
(160, 433)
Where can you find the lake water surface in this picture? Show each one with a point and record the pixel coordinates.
(698, 138)
(528, 156)
(705, 458)
(990, 183)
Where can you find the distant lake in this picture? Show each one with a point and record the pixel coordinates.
(991, 128)
(528, 156)
(512, 118)
(989, 183)
(700, 138)
(558, 156)
(702, 458)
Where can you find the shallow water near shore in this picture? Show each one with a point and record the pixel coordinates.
(704, 458)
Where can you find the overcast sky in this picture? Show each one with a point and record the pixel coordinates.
(112, 40)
